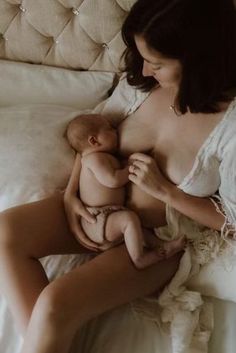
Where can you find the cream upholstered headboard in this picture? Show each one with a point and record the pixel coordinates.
(75, 34)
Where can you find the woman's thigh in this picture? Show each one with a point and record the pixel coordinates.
(105, 282)
(39, 228)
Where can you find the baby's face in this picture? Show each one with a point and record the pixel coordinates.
(108, 137)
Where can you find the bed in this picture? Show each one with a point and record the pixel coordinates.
(58, 58)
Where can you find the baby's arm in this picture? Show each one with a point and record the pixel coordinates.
(104, 167)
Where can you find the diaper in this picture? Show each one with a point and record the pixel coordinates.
(96, 231)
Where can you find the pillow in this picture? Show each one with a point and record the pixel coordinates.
(26, 83)
(217, 279)
(35, 158)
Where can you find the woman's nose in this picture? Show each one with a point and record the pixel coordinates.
(147, 71)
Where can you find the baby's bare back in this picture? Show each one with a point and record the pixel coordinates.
(94, 181)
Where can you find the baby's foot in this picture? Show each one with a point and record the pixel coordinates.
(170, 248)
(160, 253)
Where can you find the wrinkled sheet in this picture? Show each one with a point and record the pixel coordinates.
(123, 329)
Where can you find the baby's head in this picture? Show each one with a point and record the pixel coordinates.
(91, 133)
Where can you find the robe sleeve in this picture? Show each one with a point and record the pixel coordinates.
(225, 199)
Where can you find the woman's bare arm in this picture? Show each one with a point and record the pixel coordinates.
(73, 184)
(146, 174)
(199, 209)
(75, 209)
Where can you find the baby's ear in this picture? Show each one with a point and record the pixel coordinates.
(93, 141)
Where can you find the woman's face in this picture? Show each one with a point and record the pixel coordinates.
(165, 70)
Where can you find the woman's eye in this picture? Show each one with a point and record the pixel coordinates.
(156, 68)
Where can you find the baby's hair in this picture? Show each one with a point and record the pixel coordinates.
(80, 128)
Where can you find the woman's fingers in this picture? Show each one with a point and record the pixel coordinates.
(83, 212)
(74, 211)
(137, 166)
(82, 238)
(141, 157)
(132, 178)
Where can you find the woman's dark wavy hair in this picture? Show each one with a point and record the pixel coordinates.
(201, 34)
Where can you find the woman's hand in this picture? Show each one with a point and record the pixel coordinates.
(75, 209)
(145, 173)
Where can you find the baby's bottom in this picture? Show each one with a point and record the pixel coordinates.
(126, 224)
(96, 231)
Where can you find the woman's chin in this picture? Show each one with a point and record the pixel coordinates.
(165, 84)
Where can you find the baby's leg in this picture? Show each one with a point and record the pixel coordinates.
(126, 223)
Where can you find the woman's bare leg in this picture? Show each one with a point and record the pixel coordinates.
(38, 229)
(107, 281)
(28, 233)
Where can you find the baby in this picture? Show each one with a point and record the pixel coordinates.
(102, 190)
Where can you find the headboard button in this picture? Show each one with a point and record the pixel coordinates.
(22, 8)
(105, 46)
(75, 11)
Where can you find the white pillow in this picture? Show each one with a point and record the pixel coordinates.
(35, 158)
(26, 83)
(217, 279)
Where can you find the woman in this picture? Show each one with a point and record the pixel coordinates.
(183, 53)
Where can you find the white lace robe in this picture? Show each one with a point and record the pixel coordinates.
(179, 311)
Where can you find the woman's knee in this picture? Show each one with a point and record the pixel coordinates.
(53, 310)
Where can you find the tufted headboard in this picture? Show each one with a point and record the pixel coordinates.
(75, 34)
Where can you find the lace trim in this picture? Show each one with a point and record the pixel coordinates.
(228, 236)
(207, 246)
(228, 230)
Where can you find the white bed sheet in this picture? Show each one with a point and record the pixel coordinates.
(121, 329)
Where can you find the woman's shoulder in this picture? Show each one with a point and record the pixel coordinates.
(227, 144)
(227, 171)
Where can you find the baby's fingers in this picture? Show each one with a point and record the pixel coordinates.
(83, 239)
